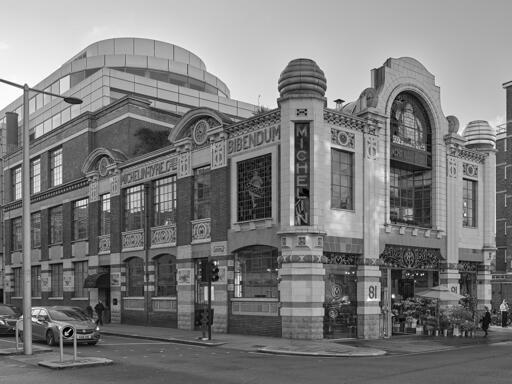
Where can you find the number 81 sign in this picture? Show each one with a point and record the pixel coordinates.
(373, 292)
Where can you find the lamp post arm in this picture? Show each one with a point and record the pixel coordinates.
(69, 100)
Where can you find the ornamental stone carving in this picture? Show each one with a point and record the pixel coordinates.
(371, 147)
(470, 170)
(411, 257)
(164, 235)
(342, 138)
(452, 167)
(104, 244)
(133, 239)
(218, 154)
(201, 230)
(184, 166)
(93, 190)
(301, 259)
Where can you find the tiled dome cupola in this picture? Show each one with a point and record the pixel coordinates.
(479, 134)
(302, 77)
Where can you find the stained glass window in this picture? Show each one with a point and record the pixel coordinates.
(254, 192)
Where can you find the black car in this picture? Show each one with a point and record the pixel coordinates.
(9, 315)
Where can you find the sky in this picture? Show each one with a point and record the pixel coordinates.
(465, 44)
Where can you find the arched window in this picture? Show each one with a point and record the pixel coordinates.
(135, 277)
(410, 125)
(411, 162)
(165, 279)
(256, 272)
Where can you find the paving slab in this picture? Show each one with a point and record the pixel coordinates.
(14, 351)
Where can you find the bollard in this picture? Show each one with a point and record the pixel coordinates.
(74, 344)
(61, 344)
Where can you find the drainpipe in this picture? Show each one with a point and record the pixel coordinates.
(147, 245)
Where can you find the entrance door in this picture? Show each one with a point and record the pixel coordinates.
(340, 318)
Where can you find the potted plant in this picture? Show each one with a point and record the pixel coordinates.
(444, 323)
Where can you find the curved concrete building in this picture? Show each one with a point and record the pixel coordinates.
(171, 77)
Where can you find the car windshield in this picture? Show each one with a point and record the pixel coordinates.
(66, 315)
(5, 310)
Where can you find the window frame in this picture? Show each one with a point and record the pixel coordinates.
(104, 214)
(134, 199)
(56, 168)
(470, 220)
(337, 188)
(56, 276)
(80, 220)
(80, 273)
(17, 234)
(17, 183)
(35, 177)
(202, 193)
(35, 230)
(164, 201)
(258, 256)
(55, 228)
(134, 273)
(35, 278)
(165, 290)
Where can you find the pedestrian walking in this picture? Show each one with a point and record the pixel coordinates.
(486, 320)
(99, 308)
(504, 313)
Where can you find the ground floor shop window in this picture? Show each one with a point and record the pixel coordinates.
(165, 275)
(135, 277)
(256, 272)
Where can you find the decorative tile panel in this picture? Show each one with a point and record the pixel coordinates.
(104, 244)
(201, 231)
(132, 239)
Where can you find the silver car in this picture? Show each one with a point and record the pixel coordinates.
(47, 322)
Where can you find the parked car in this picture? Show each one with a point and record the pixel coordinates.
(9, 315)
(47, 322)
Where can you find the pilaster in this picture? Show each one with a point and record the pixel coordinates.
(302, 286)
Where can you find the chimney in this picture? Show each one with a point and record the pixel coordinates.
(339, 104)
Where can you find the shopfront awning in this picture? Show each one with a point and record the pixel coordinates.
(97, 280)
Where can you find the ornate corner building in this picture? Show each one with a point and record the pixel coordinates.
(319, 219)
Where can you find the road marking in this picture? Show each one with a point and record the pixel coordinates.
(141, 343)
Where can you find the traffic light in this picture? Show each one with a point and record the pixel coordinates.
(202, 272)
(214, 271)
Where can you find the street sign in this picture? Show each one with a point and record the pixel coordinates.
(67, 332)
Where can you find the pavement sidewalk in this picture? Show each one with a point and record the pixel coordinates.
(327, 347)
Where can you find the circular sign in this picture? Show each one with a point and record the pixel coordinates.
(67, 332)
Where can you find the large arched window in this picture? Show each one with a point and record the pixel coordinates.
(165, 279)
(256, 272)
(411, 162)
(135, 277)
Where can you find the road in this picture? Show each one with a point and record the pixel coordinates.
(141, 361)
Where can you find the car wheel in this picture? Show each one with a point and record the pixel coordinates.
(50, 338)
(92, 343)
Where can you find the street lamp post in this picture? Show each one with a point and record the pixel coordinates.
(27, 262)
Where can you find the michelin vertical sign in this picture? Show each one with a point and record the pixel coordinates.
(302, 173)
